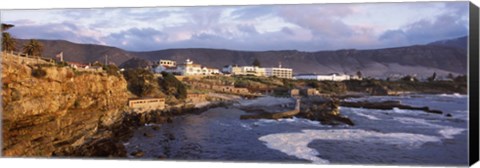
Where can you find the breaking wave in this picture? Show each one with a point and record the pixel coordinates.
(296, 144)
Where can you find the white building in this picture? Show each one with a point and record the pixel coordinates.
(244, 70)
(327, 77)
(258, 71)
(190, 68)
(279, 72)
(167, 63)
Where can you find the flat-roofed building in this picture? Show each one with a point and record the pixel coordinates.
(325, 77)
(167, 63)
(244, 70)
(190, 68)
(147, 103)
(279, 72)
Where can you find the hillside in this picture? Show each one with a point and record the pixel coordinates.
(442, 57)
(461, 42)
(84, 53)
(423, 60)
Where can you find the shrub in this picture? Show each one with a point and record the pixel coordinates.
(241, 84)
(111, 70)
(38, 72)
(62, 64)
(170, 85)
(137, 81)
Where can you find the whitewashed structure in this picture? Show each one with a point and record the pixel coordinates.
(325, 77)
(187, 68)
(143, 104)
(167, 63)
(279, 72)
(244, 70)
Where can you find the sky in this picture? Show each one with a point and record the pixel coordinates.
(311, 27)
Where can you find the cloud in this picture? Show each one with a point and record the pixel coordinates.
(137, 39)
(325, 21)
(424, 31)
(252, 12)
(65, 30)
(267, 27)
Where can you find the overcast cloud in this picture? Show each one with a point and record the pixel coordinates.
(267, 27)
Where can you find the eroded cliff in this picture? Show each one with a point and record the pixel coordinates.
(57, 111)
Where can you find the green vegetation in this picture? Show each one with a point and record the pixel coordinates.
(256, 62)
(111, 70)
(33, 47)
(433, 77)
(60, 64)
(359, 74)
(144, 83)
(140, 82)
(172, 86)
(409, 78)
(8, 43)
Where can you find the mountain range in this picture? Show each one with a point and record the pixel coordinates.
(443, 57)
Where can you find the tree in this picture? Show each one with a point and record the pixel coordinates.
(433, 77)
(138, 81)
(8, 43)
(33, 47)
(256, 62)
(450, 76)
(409, 78)
(170, 85)
(461, 79)
(359, 74)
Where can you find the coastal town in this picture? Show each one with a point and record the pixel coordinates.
(195, 75)
(336, 83)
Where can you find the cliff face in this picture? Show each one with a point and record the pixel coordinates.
(56, 112)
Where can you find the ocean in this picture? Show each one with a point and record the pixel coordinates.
(379, 137)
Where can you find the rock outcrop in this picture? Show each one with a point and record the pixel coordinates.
(387, 105)
(324, 110)
(59, 111)
(277, 115)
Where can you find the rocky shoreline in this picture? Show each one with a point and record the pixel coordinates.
(109, 141)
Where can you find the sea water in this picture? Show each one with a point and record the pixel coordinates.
(402, 137)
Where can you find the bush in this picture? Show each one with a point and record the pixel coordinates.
(39, 72)
(241, 84)
(111, 70)
(62, 64)
(137, 81)
(170, 85)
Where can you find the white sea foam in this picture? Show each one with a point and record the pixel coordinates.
(296, 144)
(449, 132)
(293, 120)
(402, 111)
(418, 121)
(371, 117)
(453, 95)
(246, 126)
(446, 131)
